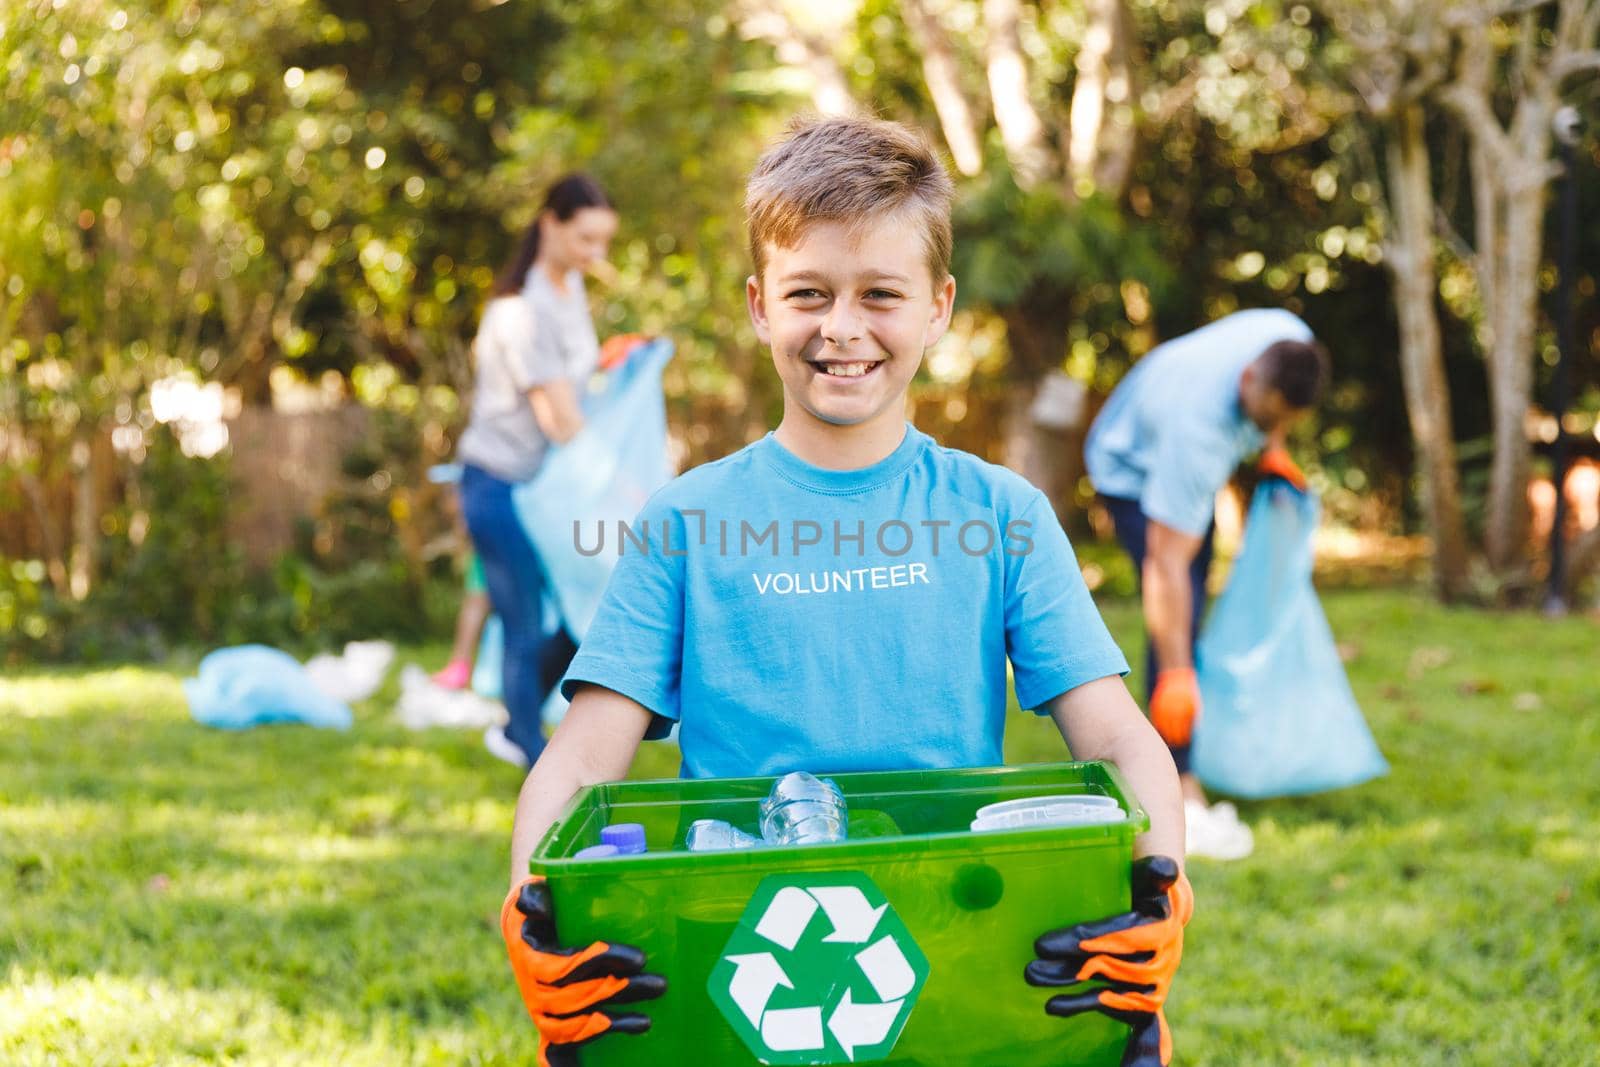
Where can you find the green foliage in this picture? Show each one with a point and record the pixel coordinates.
(169, 547)
(256, 193)
(181, 580)
(1038, 260)
(291, 895)
(1009, 240)
(34, 623)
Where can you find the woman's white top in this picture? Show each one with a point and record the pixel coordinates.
(523, 342)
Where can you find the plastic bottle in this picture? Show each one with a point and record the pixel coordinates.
(714, 835)
(627, 836)
(803, 809)
(597, 852)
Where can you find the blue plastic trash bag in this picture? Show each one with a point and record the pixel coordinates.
(252, 684)
(1278, 717)
(604, 475)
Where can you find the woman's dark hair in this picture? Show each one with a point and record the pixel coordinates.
(564, 199)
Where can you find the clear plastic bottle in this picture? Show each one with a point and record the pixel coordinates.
(803, 809)
(714, 835)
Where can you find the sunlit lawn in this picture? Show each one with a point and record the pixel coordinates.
(173, 895)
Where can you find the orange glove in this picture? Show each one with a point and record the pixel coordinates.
(1175, 705)
(1275, 463)
(619, 347)
(1136, 954)
(563, 988)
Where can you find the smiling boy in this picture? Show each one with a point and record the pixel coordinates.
(844, 594)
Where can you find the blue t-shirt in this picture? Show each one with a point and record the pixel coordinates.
(789, 617)
(1173, 431)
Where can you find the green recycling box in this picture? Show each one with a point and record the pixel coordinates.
(903, 945)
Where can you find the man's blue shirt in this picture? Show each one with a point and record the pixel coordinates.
(790, 617)
(1172, 431)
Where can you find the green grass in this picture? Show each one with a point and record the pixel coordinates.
(175, 895)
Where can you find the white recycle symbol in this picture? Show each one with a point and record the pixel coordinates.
(853, 1024)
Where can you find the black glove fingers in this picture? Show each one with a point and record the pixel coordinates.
(561, 1055)
(1066, 1005)
(622, 961)
(628, 1023)
(1152, 877)
(1051, 972)
(640, 987)
(1063, 943)
(1144, 1044)
(539, 928)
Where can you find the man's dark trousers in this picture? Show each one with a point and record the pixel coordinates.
(1131, 523)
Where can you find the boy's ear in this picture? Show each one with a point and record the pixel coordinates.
(755, 301)
(944, 302)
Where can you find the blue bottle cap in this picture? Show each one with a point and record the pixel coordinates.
(597, 852)
(627, 836)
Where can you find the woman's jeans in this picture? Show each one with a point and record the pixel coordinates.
(534, 662)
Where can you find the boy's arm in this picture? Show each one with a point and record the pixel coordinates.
(1100, 721)
(1136, 953)
(595, 743)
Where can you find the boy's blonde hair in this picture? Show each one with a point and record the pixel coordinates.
(850, 170)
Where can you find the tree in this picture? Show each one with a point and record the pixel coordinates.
(1500, 70)
(1401, 53)
(1516, 60)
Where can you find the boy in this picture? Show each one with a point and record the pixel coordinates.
(1167, 440)
(844, 594)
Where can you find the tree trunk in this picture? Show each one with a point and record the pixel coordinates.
(1050, 457)
(830, 91)
(1046, 450)
(1101, 138)
(85, 511)
(1519, 216)
(943, 75)
(1411, 263)
(1021, 130)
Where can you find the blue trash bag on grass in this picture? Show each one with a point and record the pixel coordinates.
(1278, 715)
(602, 476)
(248, 685)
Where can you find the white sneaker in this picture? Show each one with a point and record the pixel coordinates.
(1212, 834)
(502, 747)
(1225, 811)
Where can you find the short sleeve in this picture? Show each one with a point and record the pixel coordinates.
(541, 359)
(510, 332)
(1055, 636)
(635, 642)
(1188, 466)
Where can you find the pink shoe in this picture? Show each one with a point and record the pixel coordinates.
(456, 675)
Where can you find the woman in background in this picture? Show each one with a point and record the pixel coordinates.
(535, 350)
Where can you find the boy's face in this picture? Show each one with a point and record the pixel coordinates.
(847, 314)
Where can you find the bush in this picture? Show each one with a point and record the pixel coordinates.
(171, 576)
